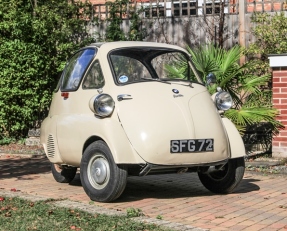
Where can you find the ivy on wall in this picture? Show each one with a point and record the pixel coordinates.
(120, 10)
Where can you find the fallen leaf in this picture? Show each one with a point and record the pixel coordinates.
(73, 227)
(2, 198)
(8, 214)
(50, 212)
(13, 190)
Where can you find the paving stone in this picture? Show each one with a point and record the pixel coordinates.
(260, 201)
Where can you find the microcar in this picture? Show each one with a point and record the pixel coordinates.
(120, 111)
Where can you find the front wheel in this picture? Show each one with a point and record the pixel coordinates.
(63, 174)
(225, 180)
(101, 178)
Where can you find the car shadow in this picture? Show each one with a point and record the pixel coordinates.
(170, 186)
(20, 167)
(174, 186)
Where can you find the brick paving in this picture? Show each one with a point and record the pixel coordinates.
(259, 203)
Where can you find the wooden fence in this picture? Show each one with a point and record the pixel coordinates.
(194, 22)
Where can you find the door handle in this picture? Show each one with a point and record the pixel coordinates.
(123, 97)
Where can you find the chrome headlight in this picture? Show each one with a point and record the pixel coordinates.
(210, 79)
(102, 105)
(223, 100)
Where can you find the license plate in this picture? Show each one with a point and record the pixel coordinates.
(194, 145)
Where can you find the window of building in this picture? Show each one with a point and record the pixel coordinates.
(184, 8)
(212, 8)
(152, 10)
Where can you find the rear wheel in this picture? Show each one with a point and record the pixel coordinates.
(101, 178)
(225, 180)
(63, 174)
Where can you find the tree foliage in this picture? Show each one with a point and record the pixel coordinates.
(36, 38)
(270, 32)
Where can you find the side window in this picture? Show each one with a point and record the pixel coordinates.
(76, 68)
(94, 78)
(59, 82)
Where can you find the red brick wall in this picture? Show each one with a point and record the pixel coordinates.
(94, 2)
(265, 6)
(280, 102)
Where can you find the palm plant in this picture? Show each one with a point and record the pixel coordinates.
(252, 105)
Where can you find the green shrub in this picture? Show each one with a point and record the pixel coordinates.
(270, 32)
(36, 38)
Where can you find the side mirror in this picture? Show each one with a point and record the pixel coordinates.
(210, 79)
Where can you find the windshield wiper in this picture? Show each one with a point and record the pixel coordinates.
(157, 80)
(181, 83)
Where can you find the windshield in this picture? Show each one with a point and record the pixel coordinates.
(133, 65)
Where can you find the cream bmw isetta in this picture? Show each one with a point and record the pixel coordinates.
(117, 111)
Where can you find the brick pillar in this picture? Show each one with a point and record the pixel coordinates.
(278, 63)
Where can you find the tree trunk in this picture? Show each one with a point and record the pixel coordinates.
(221, 24)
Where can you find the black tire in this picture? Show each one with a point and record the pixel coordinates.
(224, 181)
(101, 178)
(63, 174)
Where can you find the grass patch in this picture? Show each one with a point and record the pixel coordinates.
(134, 212)
(18, 214)
(263, 169)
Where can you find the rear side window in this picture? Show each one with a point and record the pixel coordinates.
(94, 78)
(75, 69)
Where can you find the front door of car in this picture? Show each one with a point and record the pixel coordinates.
(71, 102)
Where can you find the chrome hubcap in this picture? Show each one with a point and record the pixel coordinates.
(98, 171)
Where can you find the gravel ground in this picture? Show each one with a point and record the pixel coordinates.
(266, 165)
(18, 148)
